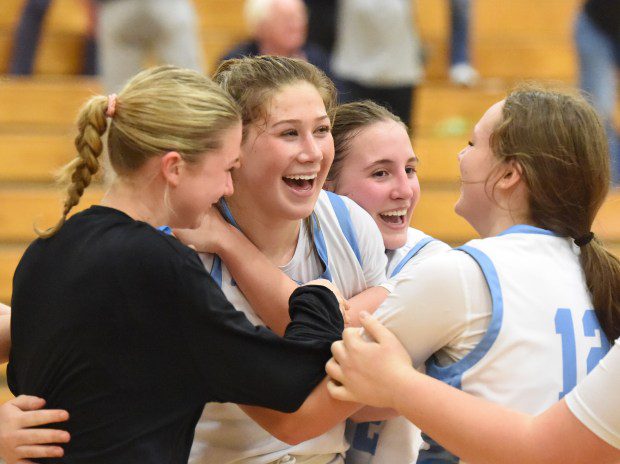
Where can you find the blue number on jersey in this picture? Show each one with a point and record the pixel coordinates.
(366, 439)
(565, 328)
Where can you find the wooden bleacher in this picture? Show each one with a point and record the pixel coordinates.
(511, 40)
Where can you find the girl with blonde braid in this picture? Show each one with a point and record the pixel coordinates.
(118, 322)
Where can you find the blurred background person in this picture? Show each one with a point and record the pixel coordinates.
(279, 27)
(377, 54)
(461, 70)
(28, 33)
(322, 23)
(597, 35)
(132, 31)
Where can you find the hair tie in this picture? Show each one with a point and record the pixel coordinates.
(111, 105)
(584, 239)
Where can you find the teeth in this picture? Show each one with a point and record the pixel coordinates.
(399, 212)
(302, 177)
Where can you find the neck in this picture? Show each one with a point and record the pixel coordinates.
(503, 220)
(139, 200)
(276, 238)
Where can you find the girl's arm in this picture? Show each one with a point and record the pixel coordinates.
(5, 310)
(318, 414)
(380, 373)
(371, 414)
(368, 300)
(266, 287)
(5, 336)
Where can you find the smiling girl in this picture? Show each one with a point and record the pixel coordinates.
(521, 315)
(375, 166)
(279, 205)
(119, 323)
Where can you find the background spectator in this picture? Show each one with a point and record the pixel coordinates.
(28, 33)
(461, 70)
(377, 54)
(597, 33)
(130, 31)
(279, 27)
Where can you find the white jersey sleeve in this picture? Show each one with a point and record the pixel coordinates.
(596, 402)
(370, 243)
(440, 306)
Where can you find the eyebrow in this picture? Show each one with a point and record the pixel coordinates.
(293, 121)
(413, 159)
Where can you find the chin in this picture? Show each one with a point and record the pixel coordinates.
(394, 242)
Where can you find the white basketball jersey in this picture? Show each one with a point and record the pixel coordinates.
(353, 259)
(543, 337)
(394, 441)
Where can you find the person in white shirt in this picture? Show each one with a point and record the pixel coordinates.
(279, 205)
(582, 427)
(374, 164)
(538, 271)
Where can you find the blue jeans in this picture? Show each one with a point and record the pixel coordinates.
(599, 60)
(27, 36)
(459, 31)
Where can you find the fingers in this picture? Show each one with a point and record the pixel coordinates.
(338, 350)
(41, 436)
(334, 370)
(375, 329)
(39, 451)
(42, 417)
(28, 403)
(350, 336)
(339, 392)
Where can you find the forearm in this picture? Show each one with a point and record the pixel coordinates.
(5, 337)
(480, 432)
(368, 300)
(4, 310)
(318, 414)
(266, 287)
(371, 414)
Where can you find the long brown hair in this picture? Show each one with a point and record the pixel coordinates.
(559, 141)
(160, 110)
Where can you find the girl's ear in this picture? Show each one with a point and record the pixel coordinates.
(511, 176)
(171, 166)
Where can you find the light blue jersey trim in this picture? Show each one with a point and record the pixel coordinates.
(227, 214)
(216, 267)
(344, 219)
(527, 229)
(414, 251)
(321, 247)
(453, 373)
(165, 229)
(216, 270)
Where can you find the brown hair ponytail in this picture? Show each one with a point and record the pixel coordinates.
(559, 141)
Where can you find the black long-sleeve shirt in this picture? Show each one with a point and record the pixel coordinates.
(122, 326)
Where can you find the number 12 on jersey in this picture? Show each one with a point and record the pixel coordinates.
(566, 329)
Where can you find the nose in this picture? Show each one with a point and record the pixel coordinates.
(228, 188)
(460, 154)
(310, 151)
(402, 189)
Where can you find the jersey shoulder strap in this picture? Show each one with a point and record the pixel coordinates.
(344, 220)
